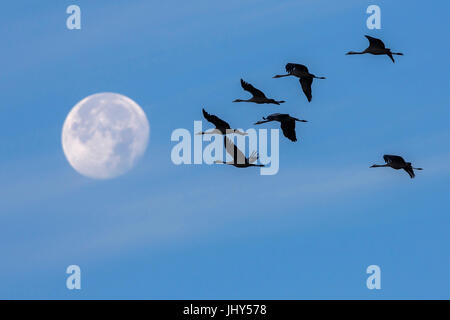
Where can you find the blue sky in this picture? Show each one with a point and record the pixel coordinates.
(215, 232)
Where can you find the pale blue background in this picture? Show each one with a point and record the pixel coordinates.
(216, 232)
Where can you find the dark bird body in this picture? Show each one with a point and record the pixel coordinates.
(377, 47)
(287, 124)
(306, 79)
(257, 95)
(397, 163)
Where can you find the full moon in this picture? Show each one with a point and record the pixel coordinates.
(104, 135)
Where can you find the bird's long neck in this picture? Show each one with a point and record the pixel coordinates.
(314, 76)
(397, 53)
(379, 165)
(356, 52)
(209, 132)
(282, 75)
(240, 132)
(263, 121)
(240, 100)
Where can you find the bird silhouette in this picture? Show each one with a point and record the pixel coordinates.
(222, 127)
(306, 79)
(397, 163)
(257, 95)
(377, 47)
(287, 124)
(239, 159)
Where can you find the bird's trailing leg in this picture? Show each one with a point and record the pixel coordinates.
(390, 55)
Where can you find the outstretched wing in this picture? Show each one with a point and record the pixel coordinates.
(288, 128)
(306, 83)
(248, 87)
(388, 158)
(295, 67)
(219, 123)
(375, 43)
(410, 171)
(234, 152)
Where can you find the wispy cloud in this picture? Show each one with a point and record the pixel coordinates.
(172, 215)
